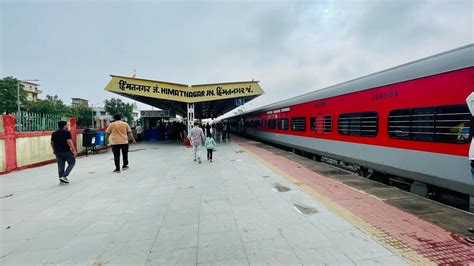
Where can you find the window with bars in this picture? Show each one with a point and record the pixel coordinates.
(283, 124)
(298, 124)
(272, 124)
(358, 124)
(327, 124)
(439, 124)
(321, 124)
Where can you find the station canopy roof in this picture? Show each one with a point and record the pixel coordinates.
(210, 100)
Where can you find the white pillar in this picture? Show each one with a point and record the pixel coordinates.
(190, 116)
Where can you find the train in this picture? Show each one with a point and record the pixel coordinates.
(409, 123)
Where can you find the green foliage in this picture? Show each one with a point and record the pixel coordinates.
(8, 95)
(50, 105)
(80, 111)
(116, 106)
(54, 105)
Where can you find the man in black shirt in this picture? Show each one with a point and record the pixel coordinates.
(64, 149)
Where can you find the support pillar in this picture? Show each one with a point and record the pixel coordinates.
(9, 124)
(190, 116)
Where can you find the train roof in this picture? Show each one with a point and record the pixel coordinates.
(455, 59)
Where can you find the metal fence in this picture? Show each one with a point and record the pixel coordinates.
(28, 121)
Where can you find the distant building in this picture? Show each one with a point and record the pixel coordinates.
(101, 117)
(32, 90)
(80, 101)
(135, 112)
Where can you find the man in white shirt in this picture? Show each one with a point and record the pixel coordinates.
(470, 105)
(139, 130)
(196, 136)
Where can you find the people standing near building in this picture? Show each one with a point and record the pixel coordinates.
(225, 128)
(213, 129)
(219, 131)
(119, 133)
(63, 148)
(210, 144)
(208, 129)
(139, 130)
(196, 137)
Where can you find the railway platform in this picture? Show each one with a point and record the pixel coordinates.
(253, 205)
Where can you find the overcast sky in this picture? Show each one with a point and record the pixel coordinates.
(292, 47)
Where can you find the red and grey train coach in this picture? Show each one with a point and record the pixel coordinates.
(410, 121)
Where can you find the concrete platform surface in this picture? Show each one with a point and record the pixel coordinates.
(168, 210)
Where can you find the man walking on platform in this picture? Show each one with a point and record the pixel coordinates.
(119, 133)
(63, 148)
(196, 137)
(139, 132)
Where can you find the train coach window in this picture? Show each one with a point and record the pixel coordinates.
(327, 124)
(298, 124)
(399, 126)
(440, 124)
(452, 124)
(319, 124)
(272, 124)
(312, 123)
(283, 124)
(423, 123)
(358, 124)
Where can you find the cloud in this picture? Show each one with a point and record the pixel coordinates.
(292, 47)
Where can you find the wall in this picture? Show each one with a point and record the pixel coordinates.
(33, 150)
(20, 150)
(2, 147)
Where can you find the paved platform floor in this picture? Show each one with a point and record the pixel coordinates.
(168, 210)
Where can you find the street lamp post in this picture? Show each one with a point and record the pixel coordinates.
(18, 92)
(92, 117)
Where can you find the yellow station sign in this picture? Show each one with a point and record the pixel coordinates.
(181, 92)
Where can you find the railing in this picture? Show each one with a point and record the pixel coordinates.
(29, 121)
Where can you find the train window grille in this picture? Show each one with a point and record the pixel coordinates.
(327, 124)
(272, 124)
(255, 123)
(319, 124)
(440, 124)
(399, 124)
(298, 124)
(358, 124)
(283, 124)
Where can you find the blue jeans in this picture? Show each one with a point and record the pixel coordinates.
(62, 158)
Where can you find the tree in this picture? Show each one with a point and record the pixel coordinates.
(80, 111)
(50, 105)
(116, 106)
(83, 114)
(8, 95)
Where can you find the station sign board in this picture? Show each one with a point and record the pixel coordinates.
(181, 92)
